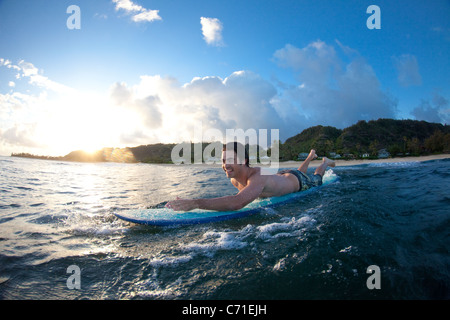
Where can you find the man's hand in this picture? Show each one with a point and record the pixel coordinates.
(181, 204)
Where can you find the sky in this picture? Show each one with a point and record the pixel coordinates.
(84, 74)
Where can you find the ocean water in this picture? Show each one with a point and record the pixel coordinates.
(57, 215)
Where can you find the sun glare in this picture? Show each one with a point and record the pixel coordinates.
(88, 123)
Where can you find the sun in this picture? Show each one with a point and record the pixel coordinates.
(86, 122)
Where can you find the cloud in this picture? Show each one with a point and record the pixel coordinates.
(50, 118)
(437, 110)
(329, 90)
(347, 50)
(19, 119)
(147, 107)
(172, 112)
(212, 31)
(127, 5)
(4, 62)
(28, 70)
(332, 91)
(139, 13)
(242, 100)
(146, 15)
(317, 58)
(120, 93)
(408, 70)
(20, 135)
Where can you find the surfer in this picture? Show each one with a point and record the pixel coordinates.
(252, 184)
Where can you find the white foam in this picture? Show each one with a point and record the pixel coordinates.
(151, 288)
(294, 227)
(280, 265)
(271, 211)
(345, 250)
(329, 175)
(213, 241)
(170, 261)
(96, 225)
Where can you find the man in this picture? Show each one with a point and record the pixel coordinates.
(252, 184)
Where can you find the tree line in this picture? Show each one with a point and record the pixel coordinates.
(398, 137)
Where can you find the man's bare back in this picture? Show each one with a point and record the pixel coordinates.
(273, 185)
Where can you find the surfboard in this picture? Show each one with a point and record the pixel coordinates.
(168, 217)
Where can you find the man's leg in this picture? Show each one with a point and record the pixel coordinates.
(304, 166)
(325, 163)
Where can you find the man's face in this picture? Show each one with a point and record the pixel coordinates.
(230, 163)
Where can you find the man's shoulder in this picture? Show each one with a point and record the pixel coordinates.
(255, 174)
(234, 182)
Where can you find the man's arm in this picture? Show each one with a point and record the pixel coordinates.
(228, 203)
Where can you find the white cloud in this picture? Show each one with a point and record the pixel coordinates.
(331, 91)
(212, 31)
(437, 110)
(139, 13)
(120, 93)
(317, 61)
(28, 70)
(346, 49)
(170, 111)
(408, 70)
(147, 15)
(20, 135)
(4, 62)
(147, 107)
(20, 115)
(51, 118)
(127, 5)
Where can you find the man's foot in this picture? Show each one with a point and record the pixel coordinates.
(304, 166)
(329, 162)
(312, 155)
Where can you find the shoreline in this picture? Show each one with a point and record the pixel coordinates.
(345, 163)
(291, 163)
(339, 163)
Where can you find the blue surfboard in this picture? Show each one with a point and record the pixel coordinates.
(168, 217)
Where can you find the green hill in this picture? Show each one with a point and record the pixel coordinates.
(398, 137)
(319, 138)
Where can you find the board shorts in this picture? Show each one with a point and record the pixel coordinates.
(305, 181)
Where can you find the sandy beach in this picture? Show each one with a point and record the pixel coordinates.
(342, 163)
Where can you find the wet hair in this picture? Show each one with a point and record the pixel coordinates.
(239, 149)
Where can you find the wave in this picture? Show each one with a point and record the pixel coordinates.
(101, 224)
(293, 228)
(213, 241)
